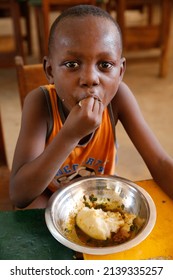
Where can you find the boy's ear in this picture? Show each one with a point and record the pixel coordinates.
(48, 69)
(122, 67)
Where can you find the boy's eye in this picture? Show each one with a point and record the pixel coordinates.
(105, 65)
(71, 64)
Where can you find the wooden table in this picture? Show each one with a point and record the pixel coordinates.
(150, 35)
(13, 44)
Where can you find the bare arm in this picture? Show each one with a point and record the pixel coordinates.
(159, 163)
(35, 166)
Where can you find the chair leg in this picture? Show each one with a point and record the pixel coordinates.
(39, 26)
(17, 27)
(165, 37)
(25, 12)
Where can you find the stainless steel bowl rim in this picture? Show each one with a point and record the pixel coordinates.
(101, 250)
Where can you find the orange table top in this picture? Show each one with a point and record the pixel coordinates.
(159, 244)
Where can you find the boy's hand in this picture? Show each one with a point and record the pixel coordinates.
(84, 117)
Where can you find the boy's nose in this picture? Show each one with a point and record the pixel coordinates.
(89, 78)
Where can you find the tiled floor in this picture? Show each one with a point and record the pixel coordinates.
(155, 97)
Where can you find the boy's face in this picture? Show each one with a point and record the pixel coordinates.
(86, 60)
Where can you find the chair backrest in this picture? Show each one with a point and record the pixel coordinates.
(3, 157)
(29, 77)
(5, 202)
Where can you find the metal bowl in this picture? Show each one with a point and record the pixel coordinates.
(67, 201)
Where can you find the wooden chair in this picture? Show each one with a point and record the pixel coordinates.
(42, 12)
(5, 203)
(29, 77)
(149, 36)
(12, 45)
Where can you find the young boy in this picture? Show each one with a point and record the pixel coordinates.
(68, 126)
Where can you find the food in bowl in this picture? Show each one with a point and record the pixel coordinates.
(102, 222)
(98, 224)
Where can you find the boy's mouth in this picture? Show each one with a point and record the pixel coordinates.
(87, 96)
(93, 96)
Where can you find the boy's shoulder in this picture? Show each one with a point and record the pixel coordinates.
(36, 95)
(35, 101)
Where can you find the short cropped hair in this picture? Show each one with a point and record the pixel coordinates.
(81, 11)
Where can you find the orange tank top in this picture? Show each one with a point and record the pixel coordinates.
(94, 158)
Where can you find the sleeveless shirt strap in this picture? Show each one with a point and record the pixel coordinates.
(60, 108)
(50, 125)
(111, 115)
